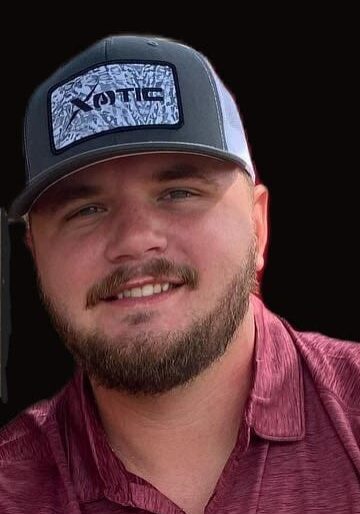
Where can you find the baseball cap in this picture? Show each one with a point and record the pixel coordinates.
(127, 95)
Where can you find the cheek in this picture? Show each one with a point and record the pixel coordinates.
(217, 243)
(66, 270)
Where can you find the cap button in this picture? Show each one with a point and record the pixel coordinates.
(152, 43)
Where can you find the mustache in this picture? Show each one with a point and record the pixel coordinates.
(159, 268)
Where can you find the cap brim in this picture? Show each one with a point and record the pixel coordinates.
(24, 201)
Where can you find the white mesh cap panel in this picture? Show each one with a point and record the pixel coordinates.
(233, 128)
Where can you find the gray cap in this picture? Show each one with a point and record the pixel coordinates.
(127, 95)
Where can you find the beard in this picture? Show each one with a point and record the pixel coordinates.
(152, 363)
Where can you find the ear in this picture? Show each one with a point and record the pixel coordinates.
(260, 219)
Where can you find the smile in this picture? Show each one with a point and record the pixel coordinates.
(147, 290)
(147, 294)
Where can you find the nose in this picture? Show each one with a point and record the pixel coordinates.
(135, 230)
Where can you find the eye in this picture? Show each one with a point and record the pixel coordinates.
(180, 194)
(89, 210)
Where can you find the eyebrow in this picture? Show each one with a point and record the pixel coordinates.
(68, 193)
(82, 191)
(181, 171)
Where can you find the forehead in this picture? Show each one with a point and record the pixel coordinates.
(157, 168)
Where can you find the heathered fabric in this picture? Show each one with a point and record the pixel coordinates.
(297, 451)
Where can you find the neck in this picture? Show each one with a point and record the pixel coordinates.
(187, 421)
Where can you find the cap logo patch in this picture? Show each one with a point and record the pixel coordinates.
(113, 97)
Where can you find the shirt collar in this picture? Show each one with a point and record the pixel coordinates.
(276, 403)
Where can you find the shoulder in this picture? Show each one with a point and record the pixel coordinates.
(35, 432)
(25, 437)
(31, 456)
(26, 460)
(32, 435)
(334, 365)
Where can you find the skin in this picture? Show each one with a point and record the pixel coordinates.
(214, 242)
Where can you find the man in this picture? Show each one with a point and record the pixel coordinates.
(148, 231)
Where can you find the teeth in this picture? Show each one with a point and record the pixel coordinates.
(136, 292)
(147, 290)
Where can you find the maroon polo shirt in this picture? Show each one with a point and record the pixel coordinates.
(297, 451)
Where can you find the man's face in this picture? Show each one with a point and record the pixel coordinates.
(101, 235)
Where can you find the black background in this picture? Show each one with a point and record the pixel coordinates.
(293, 75)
